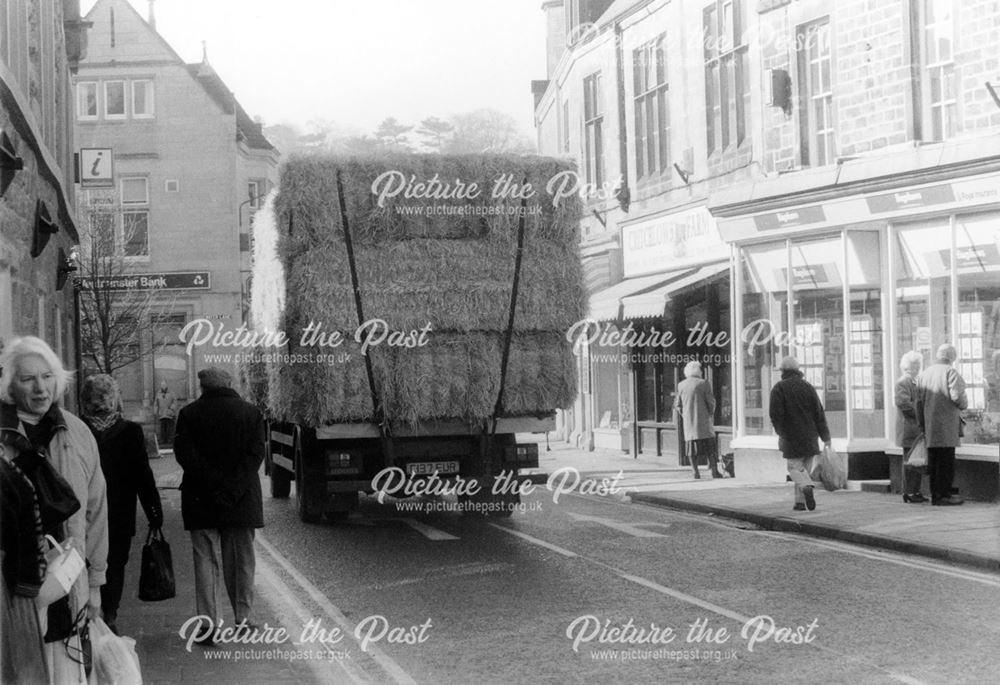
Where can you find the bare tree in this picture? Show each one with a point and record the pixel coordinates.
(487, 130)
(118, 308)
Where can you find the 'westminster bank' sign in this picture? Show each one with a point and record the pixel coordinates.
(185, 280)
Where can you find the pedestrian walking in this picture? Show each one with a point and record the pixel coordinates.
(22, 659)
(800, 422)
(907, 425)
(32, 383)
(220, 446)
(941, 399)
(165, 409)
(695, 403)
(125, 464)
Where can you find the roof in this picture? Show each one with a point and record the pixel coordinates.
(247, 129)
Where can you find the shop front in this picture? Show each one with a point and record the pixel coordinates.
(848, 286)
(673, 307)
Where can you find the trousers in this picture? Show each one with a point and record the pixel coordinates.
(798, 471)
(238, 564)
(111, 591)
(940, 470)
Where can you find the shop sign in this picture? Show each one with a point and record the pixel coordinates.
(667, 242)
(911, 198)
(789, 218)
(189, 280)
(812, 276)
(96, 167)
(923, 338)
(975, 258)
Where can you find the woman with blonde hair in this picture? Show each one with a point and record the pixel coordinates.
(907, 426)
(32, 384)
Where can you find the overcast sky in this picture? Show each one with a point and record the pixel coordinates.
(356, 62)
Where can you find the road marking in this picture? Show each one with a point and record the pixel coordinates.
(536, 541)
(443, 572)
(627, 528)
(684, 597)
(322, 669)
(429, 532)
(394, 670)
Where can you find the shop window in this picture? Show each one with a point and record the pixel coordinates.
(645, 391)
(864, 340)
(923, 287)
(977, 262)
(727, 73)
(935, 32)
(816, 111)
(170, 362)
(765, 323)
(593, 118)
(610, 381)
(652, 112)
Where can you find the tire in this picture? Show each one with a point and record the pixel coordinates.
(495, 505)
(307, 514)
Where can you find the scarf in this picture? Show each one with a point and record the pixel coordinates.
(102, 423)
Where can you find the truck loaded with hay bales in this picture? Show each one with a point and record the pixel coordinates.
(424, 302)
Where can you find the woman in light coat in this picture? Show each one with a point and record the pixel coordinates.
(32, 383)
(696, 405)
(907, 425)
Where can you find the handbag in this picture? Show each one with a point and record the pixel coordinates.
(56, 499)
(64, 565)
(156, 578)
(917, 457)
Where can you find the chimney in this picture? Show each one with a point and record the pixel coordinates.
(555, 34)
(152, 15)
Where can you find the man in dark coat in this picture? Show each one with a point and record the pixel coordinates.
(219, 443)
(799, 419)
(125, 464)
(941, 399)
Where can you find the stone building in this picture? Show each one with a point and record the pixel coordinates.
(41, 43)
(190, 167)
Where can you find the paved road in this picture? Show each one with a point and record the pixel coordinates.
(595, 590)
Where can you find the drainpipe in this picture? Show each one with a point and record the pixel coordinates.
(622, 192)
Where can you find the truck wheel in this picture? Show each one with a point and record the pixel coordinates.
(492, 505)
(281, 482)
(307, 514)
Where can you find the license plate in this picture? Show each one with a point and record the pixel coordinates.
(426, 468)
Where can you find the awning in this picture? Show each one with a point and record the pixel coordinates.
(605, 304)
(653, 302)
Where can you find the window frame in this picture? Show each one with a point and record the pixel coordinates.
(727, 73)
(927, 105)
(80, 115)
(133, 208)
(809, 35)
(124, 114)
(593, 119)
(150, 98)
(651, 104)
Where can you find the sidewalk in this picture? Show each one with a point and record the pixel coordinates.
(163, 654)
(968, 535)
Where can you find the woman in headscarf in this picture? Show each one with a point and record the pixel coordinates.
(32, 384)
(125, 464)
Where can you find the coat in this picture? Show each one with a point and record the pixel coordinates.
(941, 399)
(125, 464)
(164, 405)
(73, 452)
(696, 405)
(797, 416)
(219, 444)
(907, 426)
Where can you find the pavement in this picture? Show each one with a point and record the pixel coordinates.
(968, 535)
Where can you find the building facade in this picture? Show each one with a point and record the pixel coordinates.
(189, 169)
(847, 156)
(41, 43)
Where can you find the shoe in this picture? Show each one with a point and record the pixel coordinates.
(810, 499)
(952, 501)
(915, 498)
(799, 506)
(716, 474)
(697, 476)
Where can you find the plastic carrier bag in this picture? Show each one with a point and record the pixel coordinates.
(115, 661)
(830, 469)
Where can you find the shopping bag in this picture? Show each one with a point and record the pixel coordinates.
(156, 578)
(830, 468)
(115, 661)
(64, 565)
(918, 453)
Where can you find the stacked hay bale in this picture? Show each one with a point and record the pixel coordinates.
(444, 262)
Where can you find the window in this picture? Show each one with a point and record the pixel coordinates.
(142, 99)
(565, 126)
(593, 116)
(86, 100)
(816, 112)
(936, 31)
(135, 216)
(114, 99)
(652, 113)
(253, 194)
(727, 74)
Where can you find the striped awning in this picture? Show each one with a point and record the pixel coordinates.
(652, 302)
